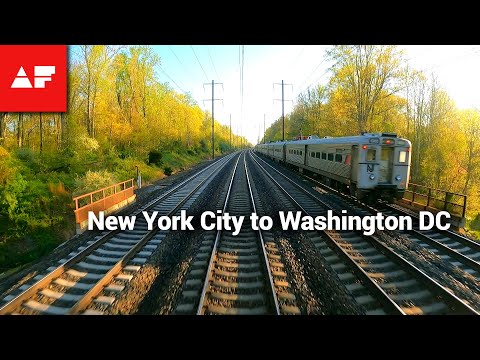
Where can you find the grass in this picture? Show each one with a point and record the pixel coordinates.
(472, 227)
(27, 248)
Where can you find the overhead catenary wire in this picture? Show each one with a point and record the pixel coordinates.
(168, 76)
(314, 81)
(213, 64)
(309, 76)
(199, 63)
(472, 51)
(173, 52)
(294, 61)
(186, 68)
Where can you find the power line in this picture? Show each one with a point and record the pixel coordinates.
(213, 64)
(172, 79)
(199, 63)
(314, 81)
(308, 77)
(173, 52)
(297, 57)
(181, 63)
(454, 60)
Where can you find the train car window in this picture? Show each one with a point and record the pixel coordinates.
(330, 157)
(324, 156)
(402, 157)
(301, 152)
(371, 154)
(317, 155)
(312, 154)
(338, 158)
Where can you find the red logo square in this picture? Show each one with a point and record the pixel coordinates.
(33, 78)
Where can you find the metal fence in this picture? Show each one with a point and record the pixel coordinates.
(425, 196)
(103, 199)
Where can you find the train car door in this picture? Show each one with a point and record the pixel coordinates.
(354, 164)
(386, 165)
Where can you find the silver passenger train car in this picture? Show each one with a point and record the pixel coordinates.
(371, 165)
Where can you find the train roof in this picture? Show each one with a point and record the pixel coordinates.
(358, 139)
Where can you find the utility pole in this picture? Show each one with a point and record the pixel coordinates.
(264, 140)
(283, 106)
(213, 113)
(230, 132)
(283, 113)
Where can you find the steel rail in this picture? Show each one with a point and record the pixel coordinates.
(427, 280)
(61, 269)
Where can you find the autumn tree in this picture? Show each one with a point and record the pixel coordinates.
(95, 60)
(365, 75)
(3, 126)
(470, 121)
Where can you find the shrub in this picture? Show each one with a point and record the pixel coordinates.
(475, 222)
(125, 169)
(93, 180)
(155, 157)
(168, 170)
(87, 143)
(25, 155)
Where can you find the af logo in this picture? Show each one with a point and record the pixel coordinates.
(33, 78)
(42, 75)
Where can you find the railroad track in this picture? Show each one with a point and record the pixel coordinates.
(241, 274)
(90, 279)
(378, 278)
(452, 247)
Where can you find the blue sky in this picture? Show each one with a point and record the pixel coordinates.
(263, 65)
